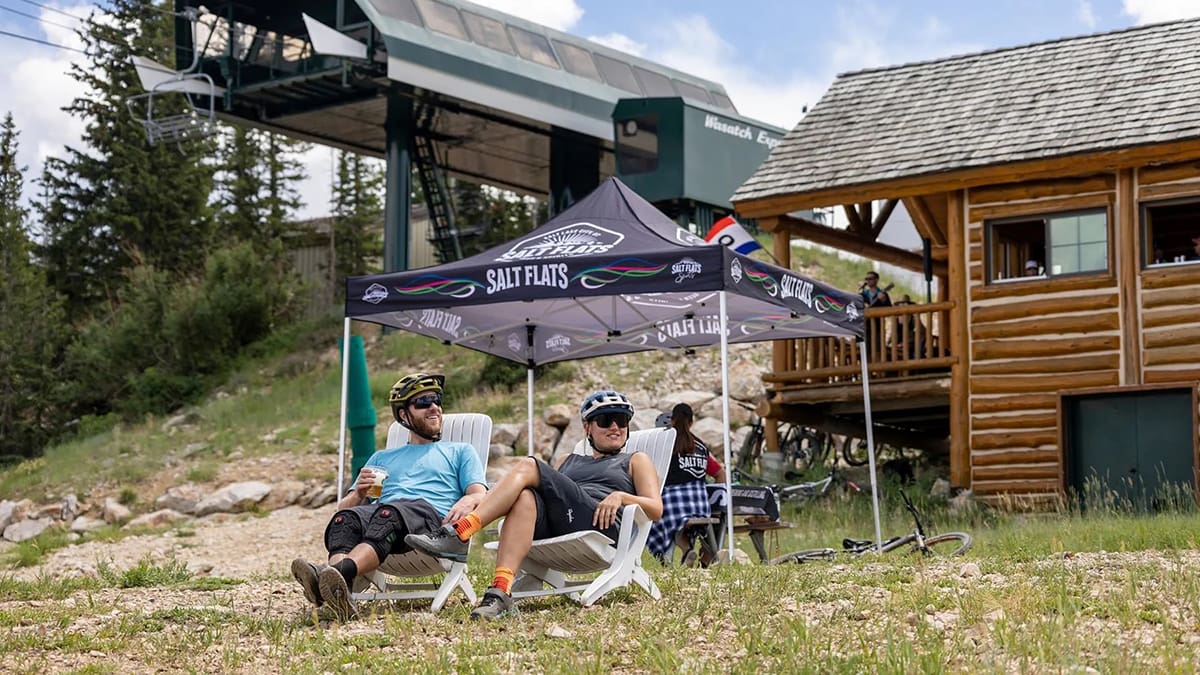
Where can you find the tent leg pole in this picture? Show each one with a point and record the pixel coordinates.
(725, 420)
(866, 387)
(341, 472)
(529, 405)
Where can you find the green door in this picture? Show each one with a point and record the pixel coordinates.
(1131, 449)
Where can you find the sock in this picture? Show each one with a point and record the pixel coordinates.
(467, 526)
(504, 579)
(348, 569)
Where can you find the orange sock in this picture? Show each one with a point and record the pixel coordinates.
(467, 526)
(504, 579)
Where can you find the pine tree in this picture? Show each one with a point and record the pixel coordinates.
(357, 207)
(117, 201)
(31, 320)
(282, 170)
(239, 185)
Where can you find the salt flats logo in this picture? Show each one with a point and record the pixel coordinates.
(514, 343)
(735, 271)
(558, 343)
(568, 241)
(375, 294)
(686, 269)
(685, 237)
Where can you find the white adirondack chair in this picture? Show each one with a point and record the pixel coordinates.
(472, 428)
(620, 562)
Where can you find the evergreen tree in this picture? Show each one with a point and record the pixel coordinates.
(117, 201)
(283, 170)
(239, 185)
(31, 320)
(357, 208)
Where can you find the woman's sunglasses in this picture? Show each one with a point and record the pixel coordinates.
(605, 420)
(427, 401)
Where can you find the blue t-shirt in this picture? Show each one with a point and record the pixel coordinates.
(439, 473)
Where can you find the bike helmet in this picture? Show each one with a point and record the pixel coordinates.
(410, 386)
(604, 402)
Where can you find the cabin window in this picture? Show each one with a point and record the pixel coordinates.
(442, 18)
(637, 144)
(1059, 244)
(1171, 232)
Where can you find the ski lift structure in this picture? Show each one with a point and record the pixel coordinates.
(180, 106)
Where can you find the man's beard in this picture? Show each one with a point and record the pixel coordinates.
(422, 427)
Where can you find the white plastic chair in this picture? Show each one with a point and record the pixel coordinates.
(472, 428)
(620, 562)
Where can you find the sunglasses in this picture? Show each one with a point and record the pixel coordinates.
(427, 401)
(605, 420)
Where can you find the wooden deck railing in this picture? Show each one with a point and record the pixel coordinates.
(901, 341)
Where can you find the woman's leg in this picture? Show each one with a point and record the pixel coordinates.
(517, 534)
(502, 498)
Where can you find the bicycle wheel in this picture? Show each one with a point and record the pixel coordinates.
(948, 545)
(748, 454)
(805, 556)
(802, 448)
(856, 453)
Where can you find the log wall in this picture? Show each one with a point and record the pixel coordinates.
(1030, 339)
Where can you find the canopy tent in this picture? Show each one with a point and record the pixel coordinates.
(610, 275)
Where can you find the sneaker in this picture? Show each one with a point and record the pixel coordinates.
(337, 594)
(443, 543)
(306, 573)
(494, 605)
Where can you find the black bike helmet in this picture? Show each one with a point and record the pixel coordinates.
(410, 386)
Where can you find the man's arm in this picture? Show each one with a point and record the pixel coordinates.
(468, 503)
(359, 494)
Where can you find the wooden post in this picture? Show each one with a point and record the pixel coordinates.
(960, 422)
(1128, 263)
(782, 351)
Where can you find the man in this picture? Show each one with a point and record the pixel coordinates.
(1032, 269)
(1195, 254)
(540, 501)
(429, 483)
(872, 295)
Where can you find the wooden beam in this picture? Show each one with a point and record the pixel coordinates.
(979, 214)
(1170, 277)
(882, 217)
(1128, 251)
(1031, 308)
(864, 215)
(852, 391)
(1036, 420)
(1018, 472)
(924, 221)
(1167, 173)
(1015, 456)
(836, 371)
(960, 419)
(1167, 297)
(846, 241)
(1169, 191)
(1083, 323)
(993, 404)
(1173, 337)
(1188, 376)
(1020, 488)
(856, 224)
(1041, 286)
(808, 416)
(1055, 364)
(994, 174)
(1157, 318)
(1172, 355)
(1040, 189)
(1033, 384)
(1018, 349)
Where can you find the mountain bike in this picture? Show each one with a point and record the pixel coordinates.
(800, 492)
(944, 545)
(800, 447)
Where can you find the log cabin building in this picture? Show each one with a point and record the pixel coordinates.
(1058, 185)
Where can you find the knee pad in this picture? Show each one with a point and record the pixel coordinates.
(344, 532)
(382, 530)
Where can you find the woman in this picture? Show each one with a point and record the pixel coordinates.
(684, 494)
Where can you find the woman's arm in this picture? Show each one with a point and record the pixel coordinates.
(649, 497)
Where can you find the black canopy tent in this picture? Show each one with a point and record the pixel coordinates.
(610, 275)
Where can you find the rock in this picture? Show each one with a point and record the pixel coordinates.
(506, 434)
(545, 437)
(47, 512)
(940, 489)
(500, 467)
(193, 449)
(969, 570)
(199, 569)
(157, 518)
(498, 450)
(181, 498)
(572, 434)
(696, 399)
(558, 415)
(319, 496)
(738, 416)
(69, 508)
(233, 497)
(557, 631)
(181, 420)
(739, 557)
(712, 432)
(115, 511)
(644, 418)
(11, 512)
(745, 381)
(963, 501)
(86, 524)
(26, 529)
(283, 493)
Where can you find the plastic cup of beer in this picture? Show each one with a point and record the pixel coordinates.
(378, 475)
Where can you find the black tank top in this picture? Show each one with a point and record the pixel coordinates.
(599, 476)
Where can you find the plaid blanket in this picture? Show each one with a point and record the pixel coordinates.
(680, 502)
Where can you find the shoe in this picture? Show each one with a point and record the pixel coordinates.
(443, 543)
(337, 594)
(306, 573)
(494, 605)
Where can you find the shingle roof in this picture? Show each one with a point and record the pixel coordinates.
(1130, 87)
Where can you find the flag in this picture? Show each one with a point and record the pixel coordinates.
(728, 232)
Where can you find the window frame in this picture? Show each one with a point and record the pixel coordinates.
(1147, 245)
(989, 229)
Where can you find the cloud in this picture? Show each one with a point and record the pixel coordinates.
(621, 43)
(1085, 14)
(1153, 11)
(559, 14)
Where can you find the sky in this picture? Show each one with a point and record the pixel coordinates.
(774, 57)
